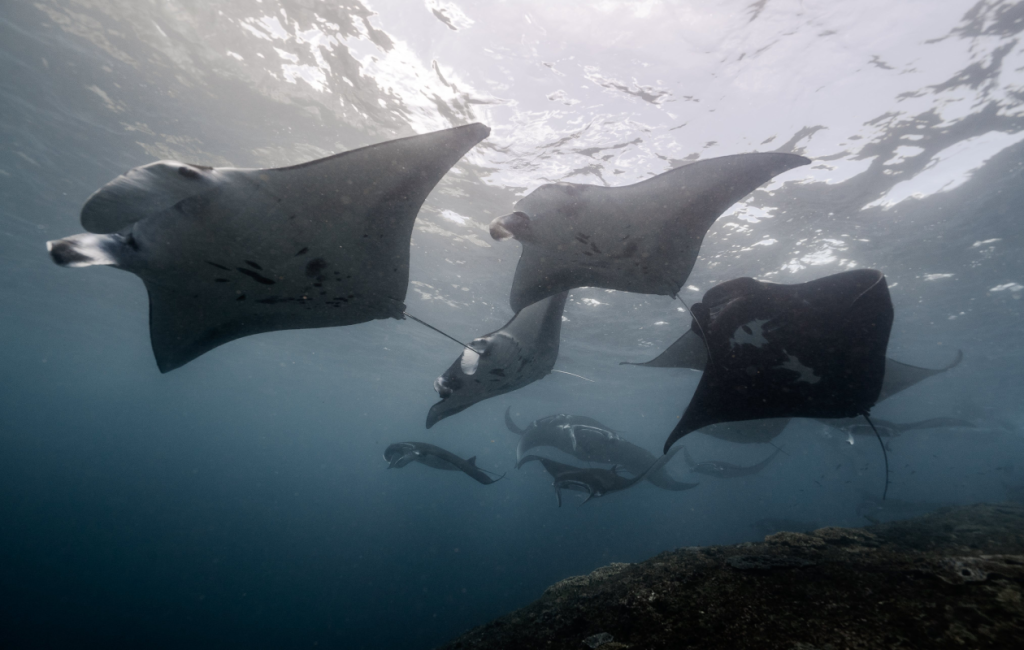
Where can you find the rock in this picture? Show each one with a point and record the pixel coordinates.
(952, 579)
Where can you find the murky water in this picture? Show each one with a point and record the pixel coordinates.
(242, 500)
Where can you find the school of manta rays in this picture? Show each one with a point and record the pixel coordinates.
(225, 253)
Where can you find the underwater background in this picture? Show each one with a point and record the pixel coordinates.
(243, 501)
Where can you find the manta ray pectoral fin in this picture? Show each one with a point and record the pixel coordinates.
(83, 250)
(510, 423)
(590, 495)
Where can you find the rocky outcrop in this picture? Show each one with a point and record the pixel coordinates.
(953, 579)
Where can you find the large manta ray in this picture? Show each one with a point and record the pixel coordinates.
(596, 482)
(689, 351)
(590, 441)
(814, 350)
(642, 238)
(520, 353)
(226, 253)
(401, 454)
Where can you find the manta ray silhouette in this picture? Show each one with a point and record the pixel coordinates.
(689, 351)
(595, 481)
(590, 441)
(400, 454)
(642, 238)
(520, 353)
(722, 469)
(226, 253)
(813, 350)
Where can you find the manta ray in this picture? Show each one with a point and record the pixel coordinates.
(814, 350)
(689, 351)
(590, 441)
(642, 238)
(225, 253)
(401, 454)
(722, 469)
(520, 353)
(596, 482)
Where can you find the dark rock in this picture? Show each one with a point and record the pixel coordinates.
(952, 579)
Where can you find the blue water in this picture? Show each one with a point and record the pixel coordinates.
(242, 500)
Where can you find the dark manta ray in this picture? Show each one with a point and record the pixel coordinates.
(590, 441)
(688, 351)
(596, 482)
(642, 238)
(813, 350)
(226, 253)
(518, 354)
(722, 469)
(401, 454)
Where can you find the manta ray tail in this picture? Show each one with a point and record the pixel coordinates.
(510, 423)
(884, 454)
(425, 324)
(778, 447)
(590, 495)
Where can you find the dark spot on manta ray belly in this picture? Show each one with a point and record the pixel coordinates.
(221, 280)
(498, 371)
(188, 173)
(254, 265)
(256, 276)
(240, 297)
(315, 266)
(305, 249)
(217, 265)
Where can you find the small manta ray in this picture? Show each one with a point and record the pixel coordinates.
(225, 253)
(518, 354)
(590, 441)
(814, 350)
(401, 454)
(642, 238)
(596, 482)
(721, 469)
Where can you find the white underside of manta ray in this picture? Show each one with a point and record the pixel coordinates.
(226, 253)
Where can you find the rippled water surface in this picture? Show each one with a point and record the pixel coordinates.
(242, 501)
